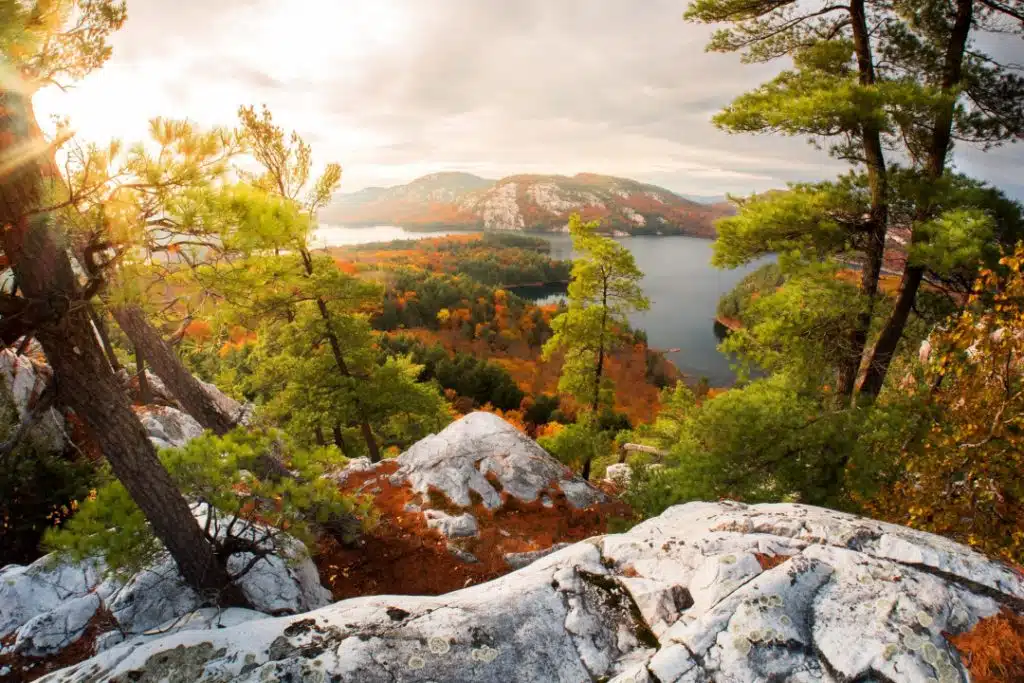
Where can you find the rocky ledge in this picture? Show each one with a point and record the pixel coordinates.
(704, 592)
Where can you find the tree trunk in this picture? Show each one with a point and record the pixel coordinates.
(598, 374)
(942, 135)
(878, 214)
(318, 434)
(101, 332)
(339, 359)
(165, 363)
(85, 381)
(145, 395)
(339, 440)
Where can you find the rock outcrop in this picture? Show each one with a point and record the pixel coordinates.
(22, 380)
(483, 456)
(168, 427)
(704, 592)
(459, 503)
(48, 604)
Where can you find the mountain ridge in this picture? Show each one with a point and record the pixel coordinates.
(527, 202)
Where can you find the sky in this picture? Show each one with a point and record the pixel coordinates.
(395, 89)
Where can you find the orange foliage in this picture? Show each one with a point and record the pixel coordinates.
(199, 331)
(346, 266)
(627, 367)
(238, 337)
(993, 651)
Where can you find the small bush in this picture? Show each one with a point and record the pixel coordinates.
(230, 478)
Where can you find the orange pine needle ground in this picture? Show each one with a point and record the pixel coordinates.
(993, 651)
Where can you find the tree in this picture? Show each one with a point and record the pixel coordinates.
(868, 77)
(604, 290)
(287, 165)
(45, 43)
(974, 98)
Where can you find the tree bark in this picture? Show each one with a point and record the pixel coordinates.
(878, 218)
(168, 367)
(339, 439)
(942, 135)
(101, 331)
(598, 373)
(145, 395)
(84, 378)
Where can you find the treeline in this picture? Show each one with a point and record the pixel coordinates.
(481, 381)
(416, 298)
(766, 279)
(496, 259)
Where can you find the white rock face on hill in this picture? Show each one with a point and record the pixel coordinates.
(685, 597)
(458, 460)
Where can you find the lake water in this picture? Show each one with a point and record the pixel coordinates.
(678, 278)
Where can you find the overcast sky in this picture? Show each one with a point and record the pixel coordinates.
(394, 89)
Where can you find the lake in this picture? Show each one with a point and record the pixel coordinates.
(678, 278)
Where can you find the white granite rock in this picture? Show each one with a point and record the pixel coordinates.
(27, 592)
(22, 380)
(50, 602)
(168, 427)
(458, 460)
(53, 631)
(619, 473)
(705, 592)
(520, 560)
(450, 526)
(354, 466)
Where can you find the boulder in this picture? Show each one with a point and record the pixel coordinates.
(27, 592)
(161, 395)
(168, 427)
(450, 526)
(468, 455)
(23, 380)
(53, 631)
(619, 474)
(704, 592)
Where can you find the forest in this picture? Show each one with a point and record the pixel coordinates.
(879, 376)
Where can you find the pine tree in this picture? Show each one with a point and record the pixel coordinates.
(287, 165)
(604, 290)
(46, 42)
(868, 77)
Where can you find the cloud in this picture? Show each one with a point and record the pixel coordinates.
(396, 88)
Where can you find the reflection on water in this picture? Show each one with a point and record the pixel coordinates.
(542, 295)
(678, 278)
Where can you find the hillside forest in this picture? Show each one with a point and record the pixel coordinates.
(880, 353)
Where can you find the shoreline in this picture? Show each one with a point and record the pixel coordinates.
(465, 229)
(732, 324)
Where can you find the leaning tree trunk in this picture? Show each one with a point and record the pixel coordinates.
(101, 332)
(942, 136)
(193, 398)
(85, 381)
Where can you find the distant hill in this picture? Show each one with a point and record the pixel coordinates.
(527, 202)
